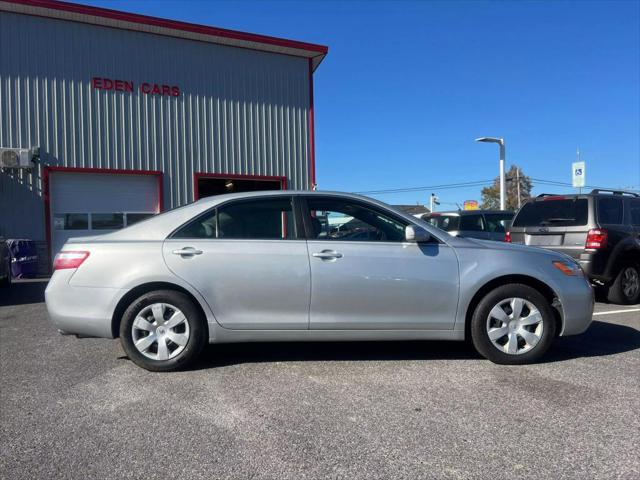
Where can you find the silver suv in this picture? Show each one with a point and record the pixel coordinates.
(601, 230)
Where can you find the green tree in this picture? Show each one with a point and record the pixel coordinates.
(491, 195)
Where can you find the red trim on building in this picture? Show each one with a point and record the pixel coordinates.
(46, 180)
(172, 24)
(312, 140)
(198, 175)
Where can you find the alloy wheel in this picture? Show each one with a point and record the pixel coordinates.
(514, 326)
(160, 331)
(630, 282)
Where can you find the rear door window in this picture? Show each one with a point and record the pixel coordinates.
(471, 223)
(610, 210)
(635, 212)
(447, 223)
(263, 219)
(497, 222)
(566, 212)
(257, 219)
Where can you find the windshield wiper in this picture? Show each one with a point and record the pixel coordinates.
(556, 220)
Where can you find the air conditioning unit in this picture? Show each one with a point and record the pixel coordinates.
(17, 157)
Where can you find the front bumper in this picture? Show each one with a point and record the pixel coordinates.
(577, 302)
(83, 311)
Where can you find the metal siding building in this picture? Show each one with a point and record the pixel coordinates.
(244, 109)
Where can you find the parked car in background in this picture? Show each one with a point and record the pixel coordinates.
(601, 230)
(5, 263)
(481, 224)
(309, 266)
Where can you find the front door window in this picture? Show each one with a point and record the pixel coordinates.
(341, 220)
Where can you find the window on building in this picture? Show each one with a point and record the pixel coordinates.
(137, 217)
(107, 221)
(71, 221)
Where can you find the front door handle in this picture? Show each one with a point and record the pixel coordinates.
(327, 255)
(187, 252)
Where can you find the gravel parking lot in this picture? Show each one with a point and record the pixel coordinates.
(80, 409)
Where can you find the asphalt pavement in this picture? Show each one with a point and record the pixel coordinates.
(80, 409)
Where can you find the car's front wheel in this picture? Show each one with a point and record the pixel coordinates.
(513, 325)
(162, 331)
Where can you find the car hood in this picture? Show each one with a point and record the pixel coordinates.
(511, 247)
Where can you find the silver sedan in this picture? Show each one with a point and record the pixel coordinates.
(309, 266)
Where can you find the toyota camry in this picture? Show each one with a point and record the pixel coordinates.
(309, 266)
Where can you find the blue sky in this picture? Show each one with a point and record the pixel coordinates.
(407, 86)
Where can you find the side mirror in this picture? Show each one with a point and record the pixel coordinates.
(416, 234)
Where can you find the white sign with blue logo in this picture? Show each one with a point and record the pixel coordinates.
(577, 173)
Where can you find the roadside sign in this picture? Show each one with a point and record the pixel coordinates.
(470, 205)
(578, 174)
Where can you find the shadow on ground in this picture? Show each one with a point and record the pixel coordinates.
(23, 292)
(602, 339)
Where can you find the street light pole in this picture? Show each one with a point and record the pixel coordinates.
(518, 184)
(503, 189)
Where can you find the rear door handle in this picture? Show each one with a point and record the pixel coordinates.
(327, 255)
(187, 252)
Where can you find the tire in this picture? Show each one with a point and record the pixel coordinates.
(625, 289)
(174, 326)
(537, 323)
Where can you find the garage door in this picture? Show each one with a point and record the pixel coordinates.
(84, 204)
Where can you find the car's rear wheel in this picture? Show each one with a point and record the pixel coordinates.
(513, 325)
(162, 331)
(625, 289)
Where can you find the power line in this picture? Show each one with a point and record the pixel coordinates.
(445, 186)
(476, 183)
(555, 183)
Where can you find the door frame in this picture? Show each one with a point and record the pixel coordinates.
(46, 190)
(235, 176)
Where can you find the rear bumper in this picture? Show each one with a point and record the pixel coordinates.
(594, 265)
(83, 311)
(577, 302)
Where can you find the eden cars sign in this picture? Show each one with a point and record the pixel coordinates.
(147, 88)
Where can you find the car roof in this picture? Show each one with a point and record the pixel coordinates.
(216, 199)
(470, 212)
(593, 194)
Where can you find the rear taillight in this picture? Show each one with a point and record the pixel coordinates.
(507, 236)
(597, 238)
(69, 259)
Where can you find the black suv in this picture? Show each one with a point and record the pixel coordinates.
(600, 229)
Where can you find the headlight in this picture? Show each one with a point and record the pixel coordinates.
(571, 269)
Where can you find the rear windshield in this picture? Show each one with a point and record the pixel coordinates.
(570, 212)
(447, 223)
